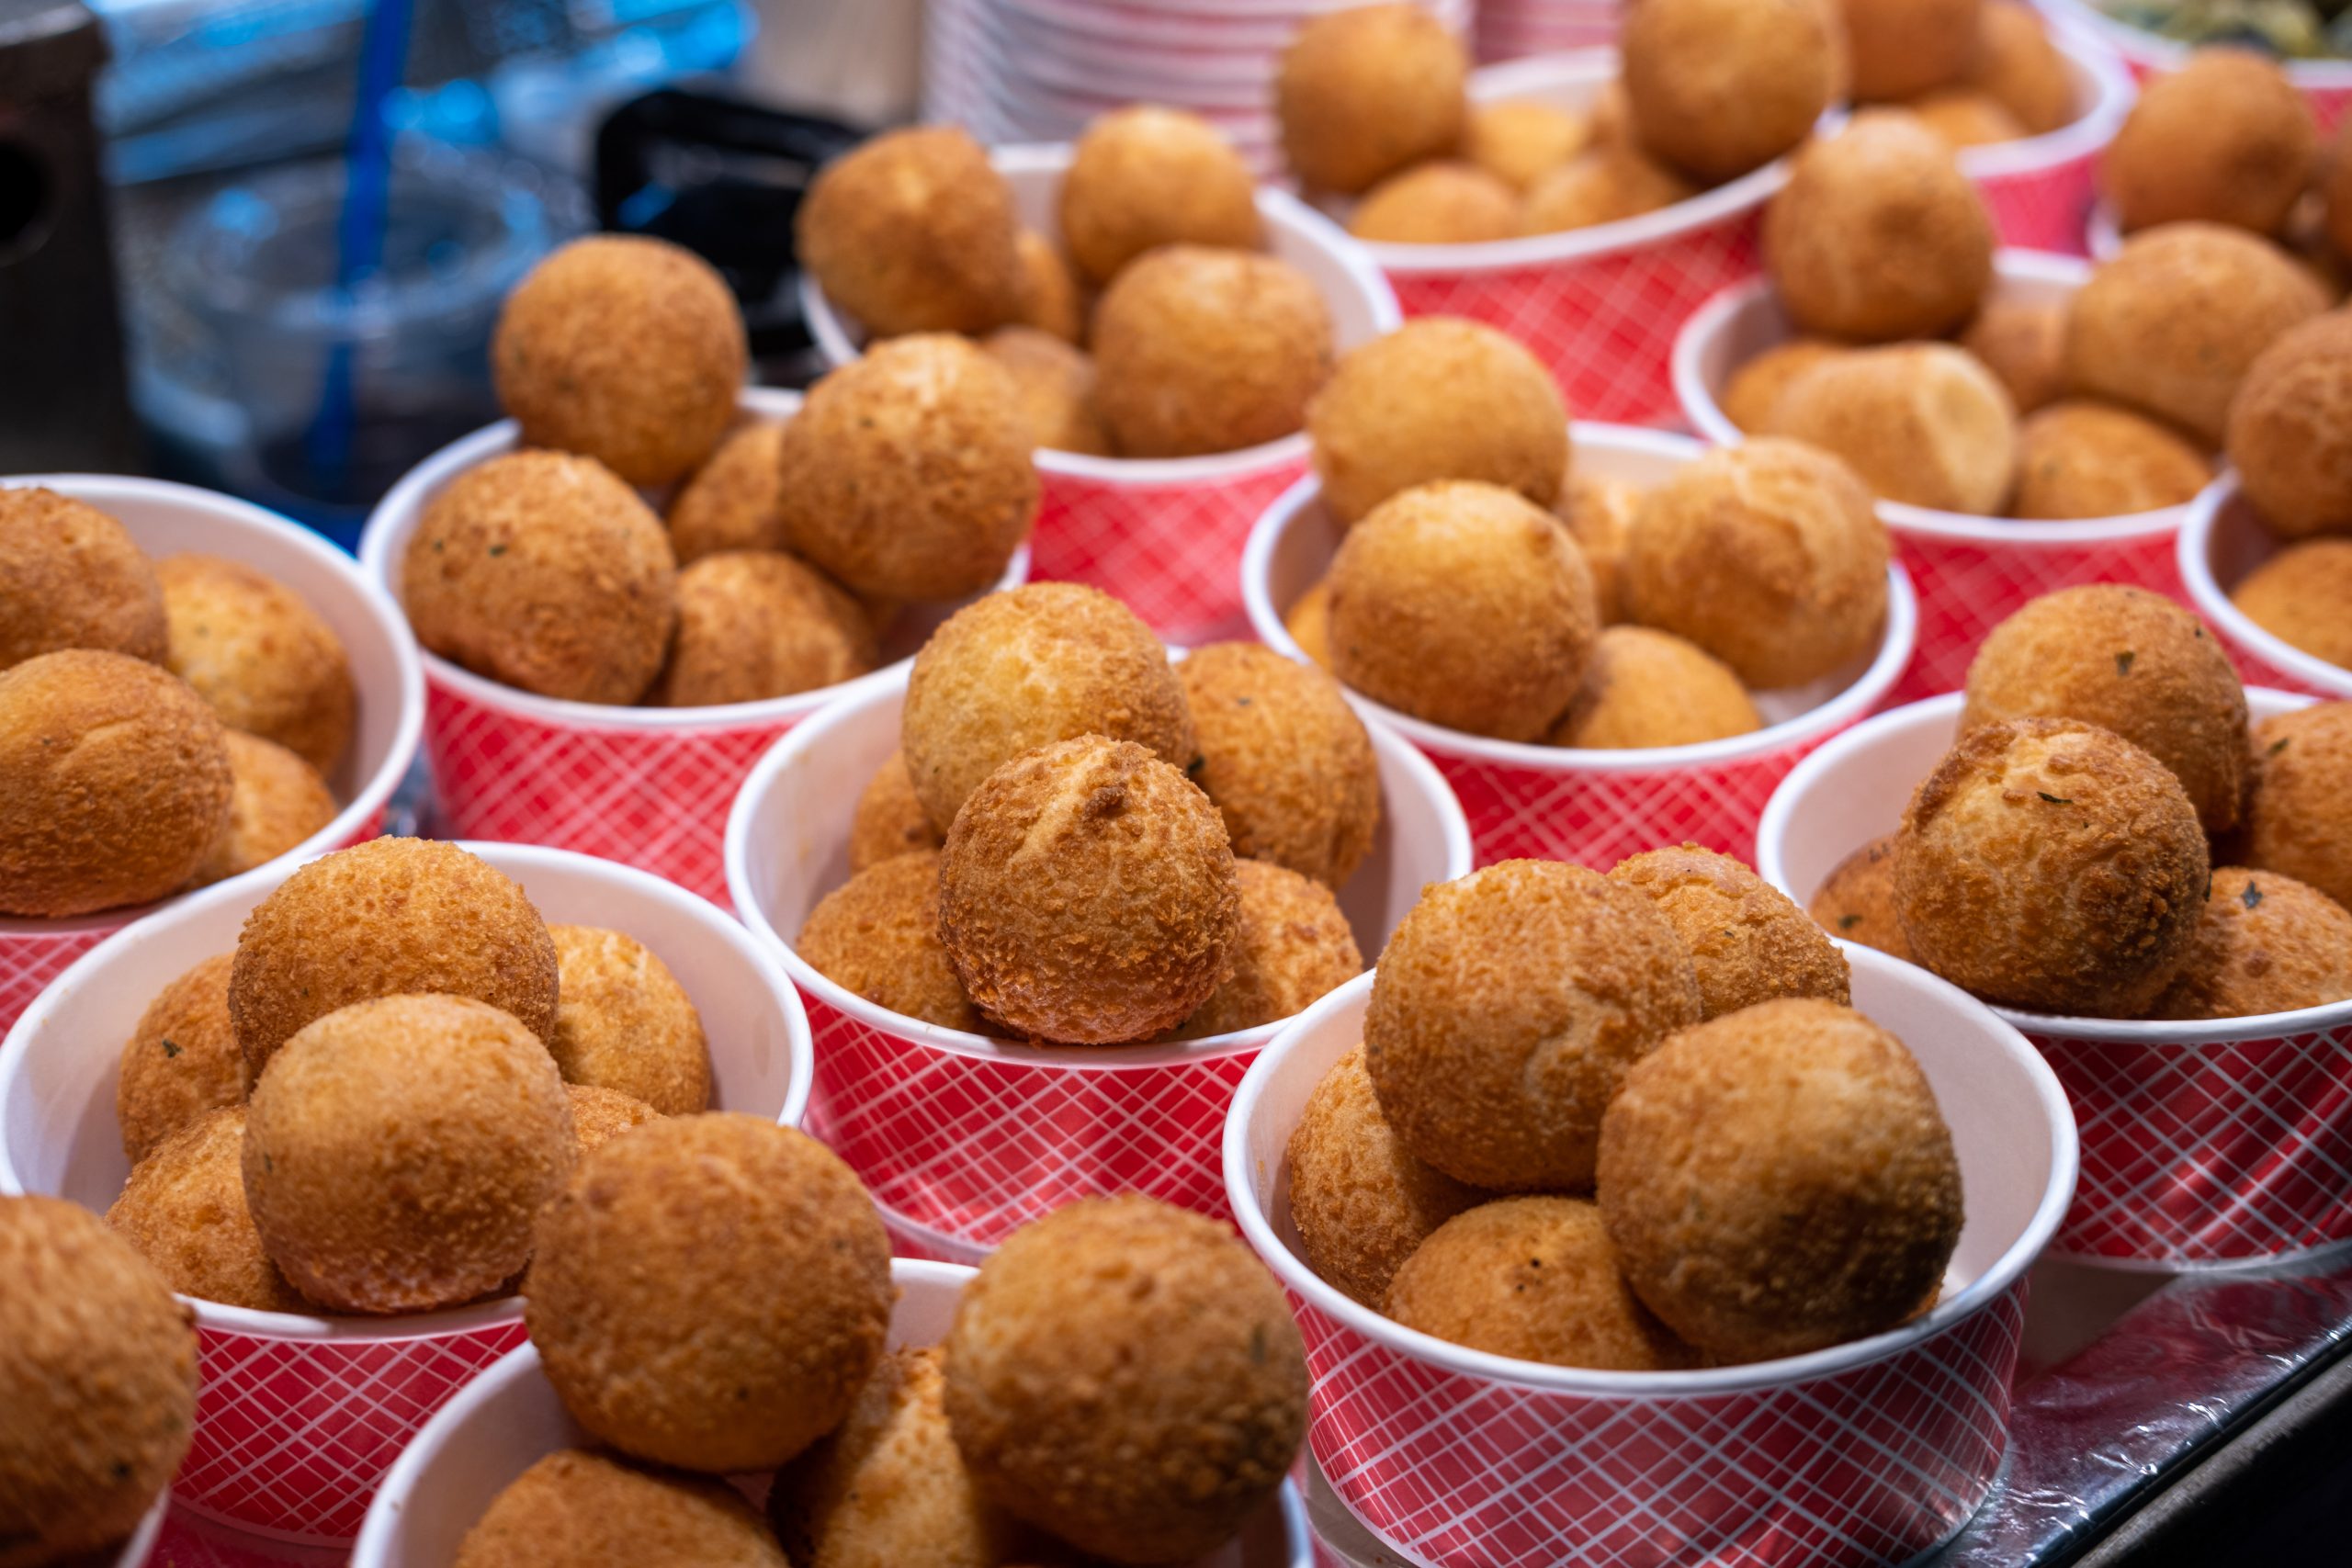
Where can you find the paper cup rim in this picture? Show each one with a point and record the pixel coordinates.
(2215, 604)
(2160, 53)
(2112, 92)
(1975, 1296)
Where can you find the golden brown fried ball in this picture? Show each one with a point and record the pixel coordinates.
(1857, 902)
(1363, 93)
(1599, 512)
(1309, 623)
(1518, 141)
(1766, 555)
(1291, 948)
(1748, 940)
(1505, 1012)
(185, 1213)
(98, 1374)
(578, 1509)
(182, 1060)
(547, 573)
(76, 578)
(2290, 430)
(1466, 606)
(623, 1022)
(1438, 399)
(1534, 1279)
(625, 349)
(1145, 177)
(2053, 866)
(1778, 1181)
(1878, 235)
(1609, 118)
(1921, 422)
(1604, 184)
(275, 801)
(600, 1115)
(1964, 116)
(264, 660)
(389, 916)
(2298, 597)
(1755, 388)
(910, 472)
(2017, 65)
(743, 1260)
(890, 820)
(1900, 49)
(2171, 325)
(915, 232)
(1049, 297)
(1439, 203)
(2299, 814)
(1087, 894)
(2266, 943)
(754, 625)
(114, 782)
(2079, 458)
(1649, 688)
(1018, 669)
(2133, 662)
(2023, 344)
(1127, 1376)
(2224, 138)
(733, 501)
(1053, 382)
(1199, 351)
(877, 935)
(1284, 758)
(1358, 1199)
(1719, 87)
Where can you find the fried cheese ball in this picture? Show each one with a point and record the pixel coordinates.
(1145, 177)
(1518, 141)
(710, 1291)
(1309, 623)
(1878, 235)
(1900, 49)
(1442, 203)
(1464, 605)
(1756, 388)
(1606, 183)
(1534, 1279)
(98, 1374)
(1645, 688)
(1087, 894)
(1053, 383)
(1039, 663)
(182, 1059)
(1199, 351)
(1710, 559)
(1290, 949)
(2133, 662)
(1284, 758)
(1778, 1181)
(2298, 817)
(1049, 297)
(1505, 1012)
(877, 935)
(546, 572)
(2018, 66)
(1361, 1202)
(2266, 943)
(1748, 940)
(915, 232)
(1857, 901)
(2079, 458)
(2290, 430)
(1719, 87)
(1966, 118)
(1362, 93)
(600, 1115)
(890, 820)
(733, 501)
(2226, 138)
(1924, 423)
(753, 625)
(1127, 1376)
(184, 1211)
(910, 472)
(264, 660)
(1439, 398)
(1598, 511)
(275, 801)
(578, 1509)
(625, 349)
(623, 1022)
(114, 782)
(386, 918)
(2299, 595)
(2051, 865)
(76, 578)
(2023, 344)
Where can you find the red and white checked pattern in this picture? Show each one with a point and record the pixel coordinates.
(2209, 1153)
(293, 1435)
(1511, 29)
(1872, 1465)
(2047, 209)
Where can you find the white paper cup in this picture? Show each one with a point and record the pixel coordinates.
(1869, 1452)
(2221, 543)
(298, 1417)
(2039, 189)
(2326, 84)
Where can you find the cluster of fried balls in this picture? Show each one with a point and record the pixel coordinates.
(163, 724)
(1080, 842)
(2109, 838)
(1626, 1122)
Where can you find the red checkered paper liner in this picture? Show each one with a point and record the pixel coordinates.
(2046, 208)
(1870, 1465)
(1507, 30)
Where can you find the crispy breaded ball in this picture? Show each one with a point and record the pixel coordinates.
(623, 1021)
(1603, 184)
(910, 472)
(1291, 948)
(1598, 511)
(1755, 388)
(114, 782)
(915, 232)
(185, 1213)
(1748, 942)
(389, 916)
(1519, 141)
(732, 501)
(600, 1115)
(2017, 65)
(1309, 622)
(1534, 1279)
(2051, 865)
(1439, 203)
(1649, 688)
(1878, 235)
(2299, 814)
(1900, 49)
(2298, 597)
(1505, 1012)
(2025, 345)
(890, 820)
(2171, 324)
(2226, 138)
(1439, 398)
(1127, 1376)
(2266, 943)
(1087, 894)
(877, 935)
(2079, 458)
(1286, 760)
(2290, 430)
(275, 801)
(1768, 555)
(1039, 663)
(1199, 351)
(1964, 116)
(578, 1509)
(546, 572)
(1365, 92)
(1053, 383)
(1719, 87)
(710, 1291)
(98, 1374)
(264, 660)
(625, 349)
(369, 1109)
(1466, 606)
(1049, 297)
(1145, 177)
(1609, 118)
(1779, 1180)
(1921, 422)
(1857, 901)
(2334, 187)
(76, 578)
(1358, 1199)
(182, 1060)
(2133, 662)
(754, 625)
